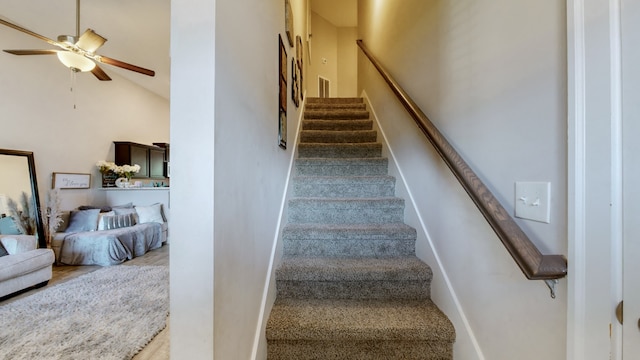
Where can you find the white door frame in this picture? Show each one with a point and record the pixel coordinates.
(594, 179)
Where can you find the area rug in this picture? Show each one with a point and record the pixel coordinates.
(111, 313)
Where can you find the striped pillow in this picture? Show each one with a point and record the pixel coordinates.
(118, 221)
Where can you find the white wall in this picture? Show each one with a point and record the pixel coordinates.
(493, 80)
(324, 37)
(347, 62)
(235, 139)
(338, 46)
(38, 115)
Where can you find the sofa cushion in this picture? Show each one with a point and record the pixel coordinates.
(26, 262)
(83, 220)
(149, 214)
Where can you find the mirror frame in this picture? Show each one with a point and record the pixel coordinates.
(42, 241)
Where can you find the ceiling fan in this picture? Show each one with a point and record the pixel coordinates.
(77, 52)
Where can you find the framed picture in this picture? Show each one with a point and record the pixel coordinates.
(282, 95)
(70, 181)
(288, 17)
(282, 129)
(299, 56)
(295, 90)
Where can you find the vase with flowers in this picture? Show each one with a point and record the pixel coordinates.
(127, 171)
(109, 173)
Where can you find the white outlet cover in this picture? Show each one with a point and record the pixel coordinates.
(532, 201)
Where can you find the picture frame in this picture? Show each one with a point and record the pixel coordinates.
(282, 94)
(282, 130)
(295, 90)
(300, 62)
(288, 16)
(70, 181)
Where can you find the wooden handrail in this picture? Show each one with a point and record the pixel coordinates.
(533, 264)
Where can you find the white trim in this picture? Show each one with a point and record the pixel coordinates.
(441, 268)
(617, 228)
(276, 237)
(576, 155)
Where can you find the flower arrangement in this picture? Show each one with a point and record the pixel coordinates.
(126, 171)
(106, 167)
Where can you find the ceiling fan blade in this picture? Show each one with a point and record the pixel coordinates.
(124, 65)
(31, 52)
(100, 74)
(90, 41)
(29, 32)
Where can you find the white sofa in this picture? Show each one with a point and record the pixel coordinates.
(25, 266)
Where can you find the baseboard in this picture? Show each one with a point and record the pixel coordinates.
(459, 319)
(264, 307)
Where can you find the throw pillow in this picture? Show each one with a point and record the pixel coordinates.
(83, 220)
(149, 214)
(118, 221)
(3, 251)
(126, 211)
(101, 216)
(8, 226)
(64, 221)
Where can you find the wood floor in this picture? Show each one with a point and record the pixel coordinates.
(158, 348)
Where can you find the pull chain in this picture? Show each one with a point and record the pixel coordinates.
(73, 82)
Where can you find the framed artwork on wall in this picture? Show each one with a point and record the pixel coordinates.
(299, 55)
(282, 94)
(70, 181)
(295, 90)
(288, 17)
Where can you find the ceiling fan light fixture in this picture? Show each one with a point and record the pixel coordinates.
(75, 61)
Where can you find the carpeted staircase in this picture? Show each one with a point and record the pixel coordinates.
(350, 285)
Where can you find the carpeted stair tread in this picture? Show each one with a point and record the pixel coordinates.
(358, 320)
(337, 124)
(336, 114)
(346, 210)
(343, 186)
(341, 166)
(338, 136)
(347, 150)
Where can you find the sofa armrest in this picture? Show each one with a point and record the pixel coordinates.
(15, 244)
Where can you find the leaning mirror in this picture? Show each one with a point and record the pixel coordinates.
(19, 200)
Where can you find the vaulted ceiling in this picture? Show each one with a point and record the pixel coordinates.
(138, 32)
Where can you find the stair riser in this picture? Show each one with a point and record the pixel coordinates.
(336, 114)
(350, 106)
(327, 137)
(330, 212)
(359, 350)
(337, 125)
(349, 248)
(371, 290)
(316, 100)
(339, 151)
(343, 190)
(323, 168)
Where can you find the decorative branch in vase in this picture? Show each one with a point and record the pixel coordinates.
(51, 215)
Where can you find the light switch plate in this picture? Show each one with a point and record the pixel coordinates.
(533, 201)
